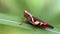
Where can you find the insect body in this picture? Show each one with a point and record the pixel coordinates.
(35, 21)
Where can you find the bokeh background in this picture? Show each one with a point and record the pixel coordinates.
(46, 10)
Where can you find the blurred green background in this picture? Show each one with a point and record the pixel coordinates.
(46, 10)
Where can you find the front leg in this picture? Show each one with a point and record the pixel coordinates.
(22, 21)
